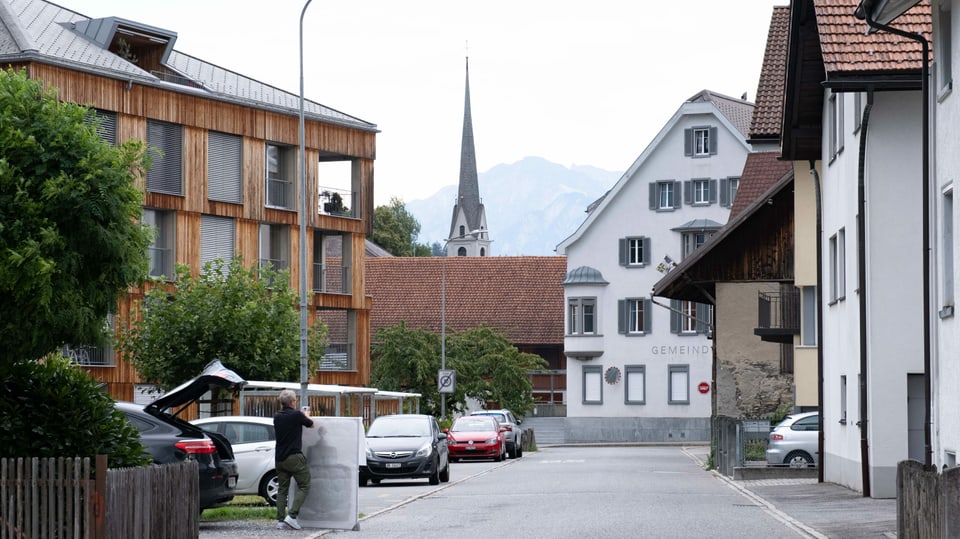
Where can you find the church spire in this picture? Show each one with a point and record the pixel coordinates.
(468, 212)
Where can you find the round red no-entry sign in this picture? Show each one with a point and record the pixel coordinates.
(704, 387)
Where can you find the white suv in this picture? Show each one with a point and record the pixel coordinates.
(514, 433)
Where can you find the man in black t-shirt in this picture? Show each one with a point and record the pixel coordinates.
(291, 462)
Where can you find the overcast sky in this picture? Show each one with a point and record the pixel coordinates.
(585, 83)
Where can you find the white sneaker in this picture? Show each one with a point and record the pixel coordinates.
(292, 522)
(281, 525)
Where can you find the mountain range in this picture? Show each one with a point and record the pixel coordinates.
(531, 205)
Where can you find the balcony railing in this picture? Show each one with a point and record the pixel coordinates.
(331, 278)
(338, 202)
(338, 356)
(778, 315)
(89, 356)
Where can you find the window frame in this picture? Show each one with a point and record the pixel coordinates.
(671, 371)
(634, 317)
(165, 222)
(577, 316)
(634, 251)
(165, 176)
(946, 253)
(285, 176)
(629, 374)
(592, 378)
(224, 167)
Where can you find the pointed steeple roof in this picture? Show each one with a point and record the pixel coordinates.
(468, 194)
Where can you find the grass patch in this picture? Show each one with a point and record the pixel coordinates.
(241, 508)
(755, 450)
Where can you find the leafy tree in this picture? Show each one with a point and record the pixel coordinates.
(489, 368)
(245, 317)
(396, 230)
(71, 241)
(49, 408)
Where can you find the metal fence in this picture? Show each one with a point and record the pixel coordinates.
(78, 498)
(736, 440)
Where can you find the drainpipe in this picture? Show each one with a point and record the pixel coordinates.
(862, 280)
(925, 168)
(818, 200)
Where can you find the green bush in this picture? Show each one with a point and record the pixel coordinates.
(49, 408)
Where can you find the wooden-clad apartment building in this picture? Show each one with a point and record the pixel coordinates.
(225, 177)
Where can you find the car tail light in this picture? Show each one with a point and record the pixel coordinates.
(197, 447)
(776, 437)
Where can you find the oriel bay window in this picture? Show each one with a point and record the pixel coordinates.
(582, 316)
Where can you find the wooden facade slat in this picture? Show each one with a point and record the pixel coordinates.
(135, 104)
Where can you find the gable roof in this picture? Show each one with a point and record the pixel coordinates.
(767, 115)
(40, 31)
(704, 102)
(829, 47)
(519, 295)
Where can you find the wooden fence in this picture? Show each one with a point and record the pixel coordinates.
(67, 498)
(927, 501)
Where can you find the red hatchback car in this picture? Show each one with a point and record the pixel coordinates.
(476, 437)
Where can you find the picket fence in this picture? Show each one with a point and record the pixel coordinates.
(80, 498)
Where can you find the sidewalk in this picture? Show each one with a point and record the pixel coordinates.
(816, 510)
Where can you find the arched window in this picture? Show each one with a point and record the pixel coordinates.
(483, 252)
(462, 251)
(463, 231)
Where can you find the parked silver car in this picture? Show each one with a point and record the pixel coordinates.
(795, 441)
(514, 433)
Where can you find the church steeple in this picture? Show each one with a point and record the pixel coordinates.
(469, 218)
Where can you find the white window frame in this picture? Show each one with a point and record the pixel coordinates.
(701, 141)
(701, 191)
(947, 252)
(943, 52)
(635, 316)
(580, 310)
(688, 322)
(808, 316)
(666, 195)
(693, 240)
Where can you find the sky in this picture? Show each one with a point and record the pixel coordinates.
(576, 83)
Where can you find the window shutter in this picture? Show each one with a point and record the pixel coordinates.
(688, 142)
(713, 141)
(688, 192)
(676, 197)
(647, 254)
(165, 142)
(622, 316)
(106, 124)
(647, 316)
(703, 318)
(713, 191)
(725, 192)
(223, 167)
(675, 316)
(623, 251)
(216, 238)
(654, 202)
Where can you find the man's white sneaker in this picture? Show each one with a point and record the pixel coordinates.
(292, 522)
(281, 525)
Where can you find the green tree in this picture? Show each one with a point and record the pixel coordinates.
(71, 241)
(49, 408)
(489, 368)
(396, 230)
(245, 317)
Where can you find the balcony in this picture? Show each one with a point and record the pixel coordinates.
(338, 202)
(778, 315)
(337, 357)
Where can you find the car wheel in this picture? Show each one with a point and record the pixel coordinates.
(435, 476)
(363, 480)
(375, 481)
(445, 474)
(519, 449)
(512, 450)
(798, 459)
(269, 486)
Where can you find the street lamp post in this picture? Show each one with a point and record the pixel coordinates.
(302, 217)
(443, 314)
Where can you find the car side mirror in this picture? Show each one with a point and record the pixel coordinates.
(443, 435)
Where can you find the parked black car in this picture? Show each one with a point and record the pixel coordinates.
(170, 439)
(405, 446)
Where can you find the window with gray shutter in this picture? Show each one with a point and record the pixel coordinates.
(224, 157)
(106, 122)
(724, 193)
(165, 144)
(216, 238)
(675, 316)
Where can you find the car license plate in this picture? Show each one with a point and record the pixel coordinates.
(232, 482)
(471, 448)
(393, 465)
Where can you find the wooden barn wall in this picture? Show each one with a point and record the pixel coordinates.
(198, 114)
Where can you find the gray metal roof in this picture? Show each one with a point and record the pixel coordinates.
(584, 275)
(698, 224)
(39, 31)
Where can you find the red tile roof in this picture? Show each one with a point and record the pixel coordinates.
(768, 113)
(519, 295)
(760, 171)
(847, 48)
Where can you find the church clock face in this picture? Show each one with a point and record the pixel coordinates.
(612, 375)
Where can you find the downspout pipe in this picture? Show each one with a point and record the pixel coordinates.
(862, 280)
(819, 210)
(925, 168)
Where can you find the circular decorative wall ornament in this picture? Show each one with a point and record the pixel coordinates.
(612, 375)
